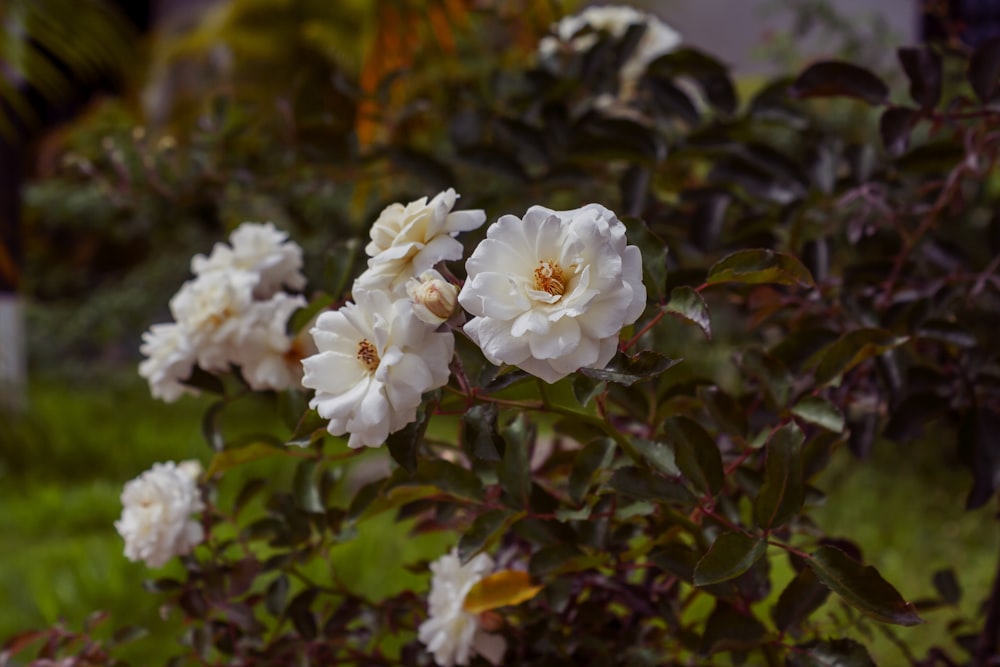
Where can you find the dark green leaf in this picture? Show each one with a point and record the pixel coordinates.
(485, 530)
(862, 587)
(783, 492)
(515, 469)
(594, 456)
(803, 595)
(205, 381)
(923, 68)
(895, 127)
(947, 586)
(210, 427)
(363, 498)
(301, 614)
(631, 481)
(654, 256)
(311, 427)
(834, 653)
(984, 69)
(851, 349)
(231, 458)
(696, 453)
(555, 559)
(128, 633)
(840, 79)
(731, 630)
(731, 555)
(677, 559)
(276, 596)
(671, 101)
(627, 370)
(710, 75)
(979, 449)
(817, 410)
(481, 437)
(772, 374)
(586, 388)
(250, 489)
(450, 478)
(658, 454)
(303, 317)
(403, 444)
(725, 410)
(306, 487)
(689, 306)
(759, 266)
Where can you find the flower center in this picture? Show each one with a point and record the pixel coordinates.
(549, 277)
(368, 355)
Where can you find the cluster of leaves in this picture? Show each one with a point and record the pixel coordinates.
(840, 253)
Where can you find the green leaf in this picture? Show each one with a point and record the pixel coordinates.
(450, 478)
(730, 555)
(895, 126)
(923, 68)
(514, 472)
(658, 454)
(635, 483)
(840, 79)
(833, 653)
(771, 373)
(403, 444)
(725, 410)
(862, 587)
(205, 381)
(851, 349)
(783, 491)
(480, 435)
(128, 633)
(947, 586)
(821, 412)
(758, 267)
(250, 489)
(594, 456)
(277, 595)
(230, 458)
(627, 370)
(586, 388)
(311, 427)
(654, 256)
(306, 487)
(210, 428)
(303, 317)
(803, 595)
(730, 630)
(678, 559)
(688, 305)
(984, 69)
(696, 453)
(484, 531)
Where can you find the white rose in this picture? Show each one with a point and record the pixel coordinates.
(169, 361)
(434, 298)
(408, 240)
(551, 293)
(615, 20)
(260, 249)
(267, 356)
(157, 506)
(210, 311)
(375, 361)
(452, 634)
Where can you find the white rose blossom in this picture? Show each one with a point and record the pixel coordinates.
(450, 633)
(156, 521)
(260, 249)
(170, 358)
(408, 240)
(615, 20)
(550, 293)
(434, 298)
(267, 356)
(375, 361)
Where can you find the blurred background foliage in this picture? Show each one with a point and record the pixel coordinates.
(315, 114)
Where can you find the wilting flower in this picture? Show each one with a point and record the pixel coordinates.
(269, 358)
(156, 517)
(169, 361)
(579, 32)
(434, 298)
(452, 634)
(551, 293)
(260, 249)
(375, 360)
(408, 240)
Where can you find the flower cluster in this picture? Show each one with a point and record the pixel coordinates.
(158, 504)
(452, 634)
(580, 32)
(233, 313)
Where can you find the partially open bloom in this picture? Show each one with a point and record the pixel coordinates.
(408, 240)
(434, 298)
(156, 518)
(260, 249)
(375, 360)
(579, 32)
(169, 361)
(452, 634)
(551, 293)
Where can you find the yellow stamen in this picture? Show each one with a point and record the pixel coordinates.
(368, 355)
(549, 278)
